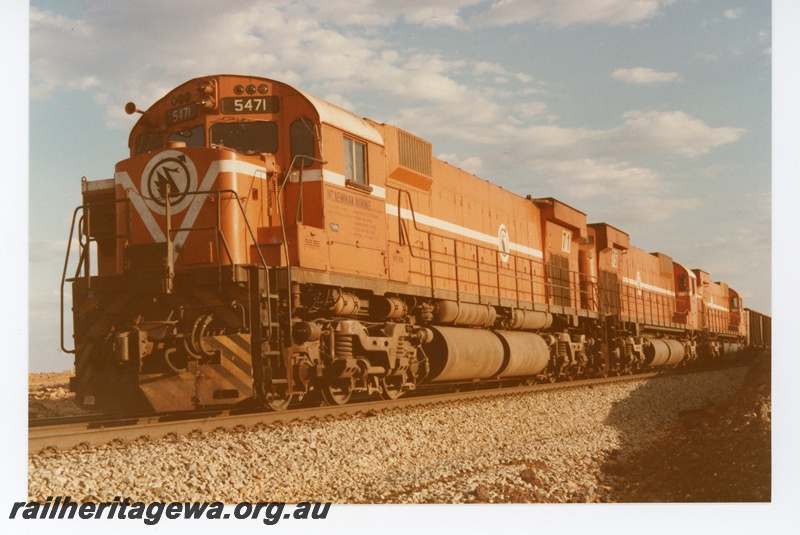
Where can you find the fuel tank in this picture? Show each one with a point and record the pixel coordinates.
(462, 354)
(525, 353)
(660, 352)
(457, 354)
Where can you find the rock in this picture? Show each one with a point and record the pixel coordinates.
(530, 477)
(481, 494)
(467, 451)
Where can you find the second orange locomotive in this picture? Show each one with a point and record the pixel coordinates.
(262, 243)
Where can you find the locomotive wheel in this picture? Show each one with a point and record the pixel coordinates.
(391, 387)
(278, 401)
(336, 392)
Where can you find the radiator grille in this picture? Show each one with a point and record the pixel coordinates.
(415, 154)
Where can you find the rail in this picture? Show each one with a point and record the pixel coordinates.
(96, 431)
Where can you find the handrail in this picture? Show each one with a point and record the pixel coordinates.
(64, 277)
(283, 223)
(571, 288)
(83, 255)
(85, 262)
(217, 227)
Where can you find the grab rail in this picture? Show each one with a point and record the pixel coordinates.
(569, 290)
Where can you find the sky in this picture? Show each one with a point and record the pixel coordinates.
(654, 116)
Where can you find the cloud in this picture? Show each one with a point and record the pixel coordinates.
(475, 101)
(470, 164)
(732, 14)
(571, 12)
(617, 191)
(672, 132)
(288, 41)
(644, 76)
(640, 133)
(597, 166)
(442, 13)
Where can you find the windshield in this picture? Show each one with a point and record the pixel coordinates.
(246, 137)
(148, 142)
(193, 137)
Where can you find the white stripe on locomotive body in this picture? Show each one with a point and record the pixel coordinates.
(245, 168)
(465, 232)
(336, 179)
(635, 284)
(717, 307)
(330, 177)
(644, 286)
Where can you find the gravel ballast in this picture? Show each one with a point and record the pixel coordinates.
(539, 447)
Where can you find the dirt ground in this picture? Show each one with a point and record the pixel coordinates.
(721, 453)
(49, 395)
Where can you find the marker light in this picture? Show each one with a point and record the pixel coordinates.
(206, 87)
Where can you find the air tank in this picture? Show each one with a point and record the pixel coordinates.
(452, 312)
(530, 320)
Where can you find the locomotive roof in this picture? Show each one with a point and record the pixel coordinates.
(343, 119)
(328, 113)
(688, 271)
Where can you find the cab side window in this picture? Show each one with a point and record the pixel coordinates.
(683, 283)
(355, 161)
(302, 141)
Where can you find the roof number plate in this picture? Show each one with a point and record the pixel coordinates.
(250, 105)
(181, 114)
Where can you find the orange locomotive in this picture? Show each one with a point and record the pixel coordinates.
(260, 243)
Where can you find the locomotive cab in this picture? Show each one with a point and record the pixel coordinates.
(226, 190)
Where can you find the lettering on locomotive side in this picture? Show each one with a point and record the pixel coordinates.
(355, 216)
(349, 200)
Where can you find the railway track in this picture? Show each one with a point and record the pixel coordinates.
(54, 434)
